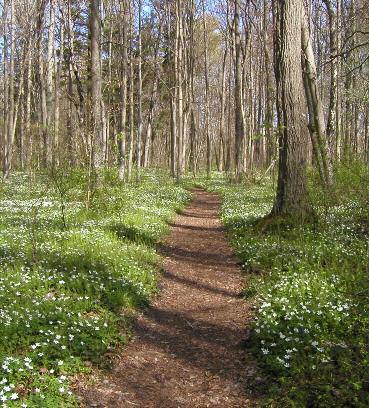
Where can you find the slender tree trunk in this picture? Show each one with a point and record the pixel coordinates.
(28, 134)
(179, 87)
(97, 141)
(206, 75)
(312, 131)
(123, 90)
(222, 126)
(50, 108)
(42, 108)
(57, 97)
(71, 126)
(315, 105)
(239, 116)
(150, 118)
(153, 98)
(173, 134)
(191, 89)
(139, 96)
(6, 88)
(131, 98)
(269, 114)
(9, 134)
(333, 49)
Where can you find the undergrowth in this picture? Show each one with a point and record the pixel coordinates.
(67, 271)
(309, 286)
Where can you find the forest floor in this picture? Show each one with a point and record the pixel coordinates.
(188, 346)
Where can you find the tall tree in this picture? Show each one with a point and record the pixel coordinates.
(292, 197)
(123, 29)
(317, 128)
(239, 116)
(333, 57)
(96, 138)
(206, 75)
(139, 94)
(50, 100)
(179, 87)
(9, 63)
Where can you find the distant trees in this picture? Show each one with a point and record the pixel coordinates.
(185, 85)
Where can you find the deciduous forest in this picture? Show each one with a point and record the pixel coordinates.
(184, 203)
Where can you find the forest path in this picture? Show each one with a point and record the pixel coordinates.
(187, 350)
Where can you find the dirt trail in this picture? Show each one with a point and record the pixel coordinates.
(188, 346)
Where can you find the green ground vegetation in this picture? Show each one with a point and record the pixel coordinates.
(68, 271)
(309, 285)
(78, 255)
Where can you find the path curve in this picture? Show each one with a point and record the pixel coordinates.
(188, 346)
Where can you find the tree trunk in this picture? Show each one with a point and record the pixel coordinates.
(123, 91)
(239, 116)
(97, 142)
(50, 108)
(333, 48)
(222, 127)
(206, 74)
(131, 97)
(179, 87)
(292, 197)
(57, 98)
(139, 96)
(315, 105)
(9, 123)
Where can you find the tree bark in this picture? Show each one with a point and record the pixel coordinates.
(333, 49)
(239, 116)
(50, 108)
(179, 87)
(206, 75)
(315, 106)
(139, 96)
(123, 90)
(292, 196)
(9, 94)
(97, 142)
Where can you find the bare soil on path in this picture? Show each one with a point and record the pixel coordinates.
(188, 349)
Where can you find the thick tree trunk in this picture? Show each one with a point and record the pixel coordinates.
(292, 198)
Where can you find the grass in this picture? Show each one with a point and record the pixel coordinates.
(309, 286)
(67, 272)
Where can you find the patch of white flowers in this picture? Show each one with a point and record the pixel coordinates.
(297, 313)
(303, 310)
(59, 284)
